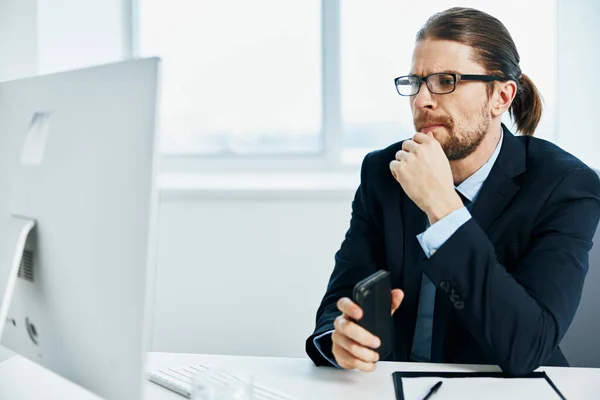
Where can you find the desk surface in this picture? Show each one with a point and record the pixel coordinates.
(297, 377)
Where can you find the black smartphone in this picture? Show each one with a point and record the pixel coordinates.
(374, 295)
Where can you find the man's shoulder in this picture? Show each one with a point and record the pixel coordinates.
(380, 159)
(551, 169)
(547, 158)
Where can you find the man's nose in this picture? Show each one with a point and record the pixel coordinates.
(424, 99)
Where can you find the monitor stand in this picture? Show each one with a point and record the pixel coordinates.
(14, 233)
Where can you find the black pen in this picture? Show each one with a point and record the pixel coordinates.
(433, 390)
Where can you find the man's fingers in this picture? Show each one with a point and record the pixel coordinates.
(409, 145)
(348, 361)
(355, 332)
(393, 169)
(350, 308)
(397, 297)
(401, 155)
(355, 349)
(343, 358)
(421, 137)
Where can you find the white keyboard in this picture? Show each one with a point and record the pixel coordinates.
(179, 380)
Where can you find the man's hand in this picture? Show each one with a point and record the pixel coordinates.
(423, 171)
(352, 343)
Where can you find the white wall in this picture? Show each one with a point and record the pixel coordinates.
(244, 276)
(18, 39)
(44, 36)
(75, 33)
(579, 90)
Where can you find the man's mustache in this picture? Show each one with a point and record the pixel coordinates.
(424, 120)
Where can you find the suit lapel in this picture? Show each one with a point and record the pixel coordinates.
(499, 188)
(497, 191)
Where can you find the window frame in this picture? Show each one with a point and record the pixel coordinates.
(329, 159)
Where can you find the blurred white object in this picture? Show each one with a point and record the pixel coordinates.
(214, 384)
(200, 382)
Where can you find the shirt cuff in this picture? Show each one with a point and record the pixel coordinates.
(437, 234)
(317, 341)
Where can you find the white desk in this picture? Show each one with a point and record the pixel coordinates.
(294, 376)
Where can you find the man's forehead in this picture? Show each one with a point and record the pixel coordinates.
(431, 56)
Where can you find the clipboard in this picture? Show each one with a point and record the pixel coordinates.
(502, 379)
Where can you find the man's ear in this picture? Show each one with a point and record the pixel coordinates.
(504, 94)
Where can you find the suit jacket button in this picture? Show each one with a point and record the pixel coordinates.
(444, 286)
(459, 305)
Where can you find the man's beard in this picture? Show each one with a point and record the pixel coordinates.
(458, 146)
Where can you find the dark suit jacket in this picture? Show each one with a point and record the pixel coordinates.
(508, 281)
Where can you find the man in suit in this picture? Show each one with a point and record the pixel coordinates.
(486, 235)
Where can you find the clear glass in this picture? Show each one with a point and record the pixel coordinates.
(437, 83)
(239, 77)
(377, 41)
(408, 85)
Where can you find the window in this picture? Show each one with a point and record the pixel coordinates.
(307, 77)
(241, 77)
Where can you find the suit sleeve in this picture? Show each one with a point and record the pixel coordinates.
(355, 260)
(521, 317)
(437, 234)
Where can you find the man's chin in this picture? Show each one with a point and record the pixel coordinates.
(455, 152)
(452, 156)
(441, 134)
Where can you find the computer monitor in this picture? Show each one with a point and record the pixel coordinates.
(77, 160)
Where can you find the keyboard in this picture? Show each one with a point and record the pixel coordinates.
(179, 380)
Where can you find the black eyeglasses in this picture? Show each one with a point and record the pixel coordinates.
(440, 83)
